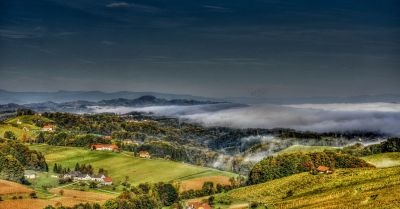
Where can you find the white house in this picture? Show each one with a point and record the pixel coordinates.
(29, 174)
(83, 177)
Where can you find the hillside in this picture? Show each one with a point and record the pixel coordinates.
(346, 188)
(305, 148)
(384, 160)
(124, 164)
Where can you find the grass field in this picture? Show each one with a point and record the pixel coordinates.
(304, 148)
(384, 160)
(124, 164)
(346, 188)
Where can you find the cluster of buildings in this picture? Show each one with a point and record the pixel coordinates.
(115, 148)
(78, 176)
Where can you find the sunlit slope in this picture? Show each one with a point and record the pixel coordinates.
(346, 188)
(124, 164)
(384, 160)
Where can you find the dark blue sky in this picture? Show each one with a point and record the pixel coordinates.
(263, 48)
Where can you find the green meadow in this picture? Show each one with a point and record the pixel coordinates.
(123, 164)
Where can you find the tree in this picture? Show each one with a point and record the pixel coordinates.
(10, 135)
(10, 168)
(77, 167)
(92, 185)
(167, 193)
(208, 188)
(61, 192)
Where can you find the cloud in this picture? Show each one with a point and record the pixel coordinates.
(382, 117)
(140, 7)
(118, 5)
(13, 34)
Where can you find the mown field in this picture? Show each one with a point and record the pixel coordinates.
(346, 188)
(124, 164)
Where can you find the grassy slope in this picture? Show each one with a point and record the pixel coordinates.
(384, 160)
(346, 188)
(304, 148)
(26, 121)
(123, 164)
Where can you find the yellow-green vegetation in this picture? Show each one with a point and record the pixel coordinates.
(123, 164)
(346, 188)
(304, 148)
(383, 160)
(23, 125)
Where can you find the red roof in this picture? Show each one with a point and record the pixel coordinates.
(48, 126)
(323, 168)
(107, 179)
(98, 146)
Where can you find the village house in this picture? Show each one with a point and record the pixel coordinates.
(49, 128)
(107, 181)
(83, 177)
(29, 174)
(25, 129)
(323, 169)
(19, 122)
(144, 154)
(108, 147)
(98, 177)
(78, 176)
(197, 205)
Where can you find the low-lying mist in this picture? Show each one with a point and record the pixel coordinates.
(379, 117)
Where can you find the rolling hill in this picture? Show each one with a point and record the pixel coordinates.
(346, 188)
(124, 164)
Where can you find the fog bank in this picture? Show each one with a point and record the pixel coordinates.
(382, 117)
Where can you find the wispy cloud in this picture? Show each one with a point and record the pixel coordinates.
(141, 7)
(118, 5)
(14, 34)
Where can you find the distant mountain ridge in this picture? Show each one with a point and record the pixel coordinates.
(84, 106)
(7, 97)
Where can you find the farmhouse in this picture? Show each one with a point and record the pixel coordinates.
(108, 147)
(83, 177)
(48, 128)
(29, 174)
(197, 205)
(104, 180)
(324, 169)
(107, 181)
(144, 154)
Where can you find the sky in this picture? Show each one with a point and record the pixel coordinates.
(218, 48)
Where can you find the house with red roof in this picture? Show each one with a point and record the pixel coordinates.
(49, 127)
(324, 169)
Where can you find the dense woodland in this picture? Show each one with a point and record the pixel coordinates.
(15, 157)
